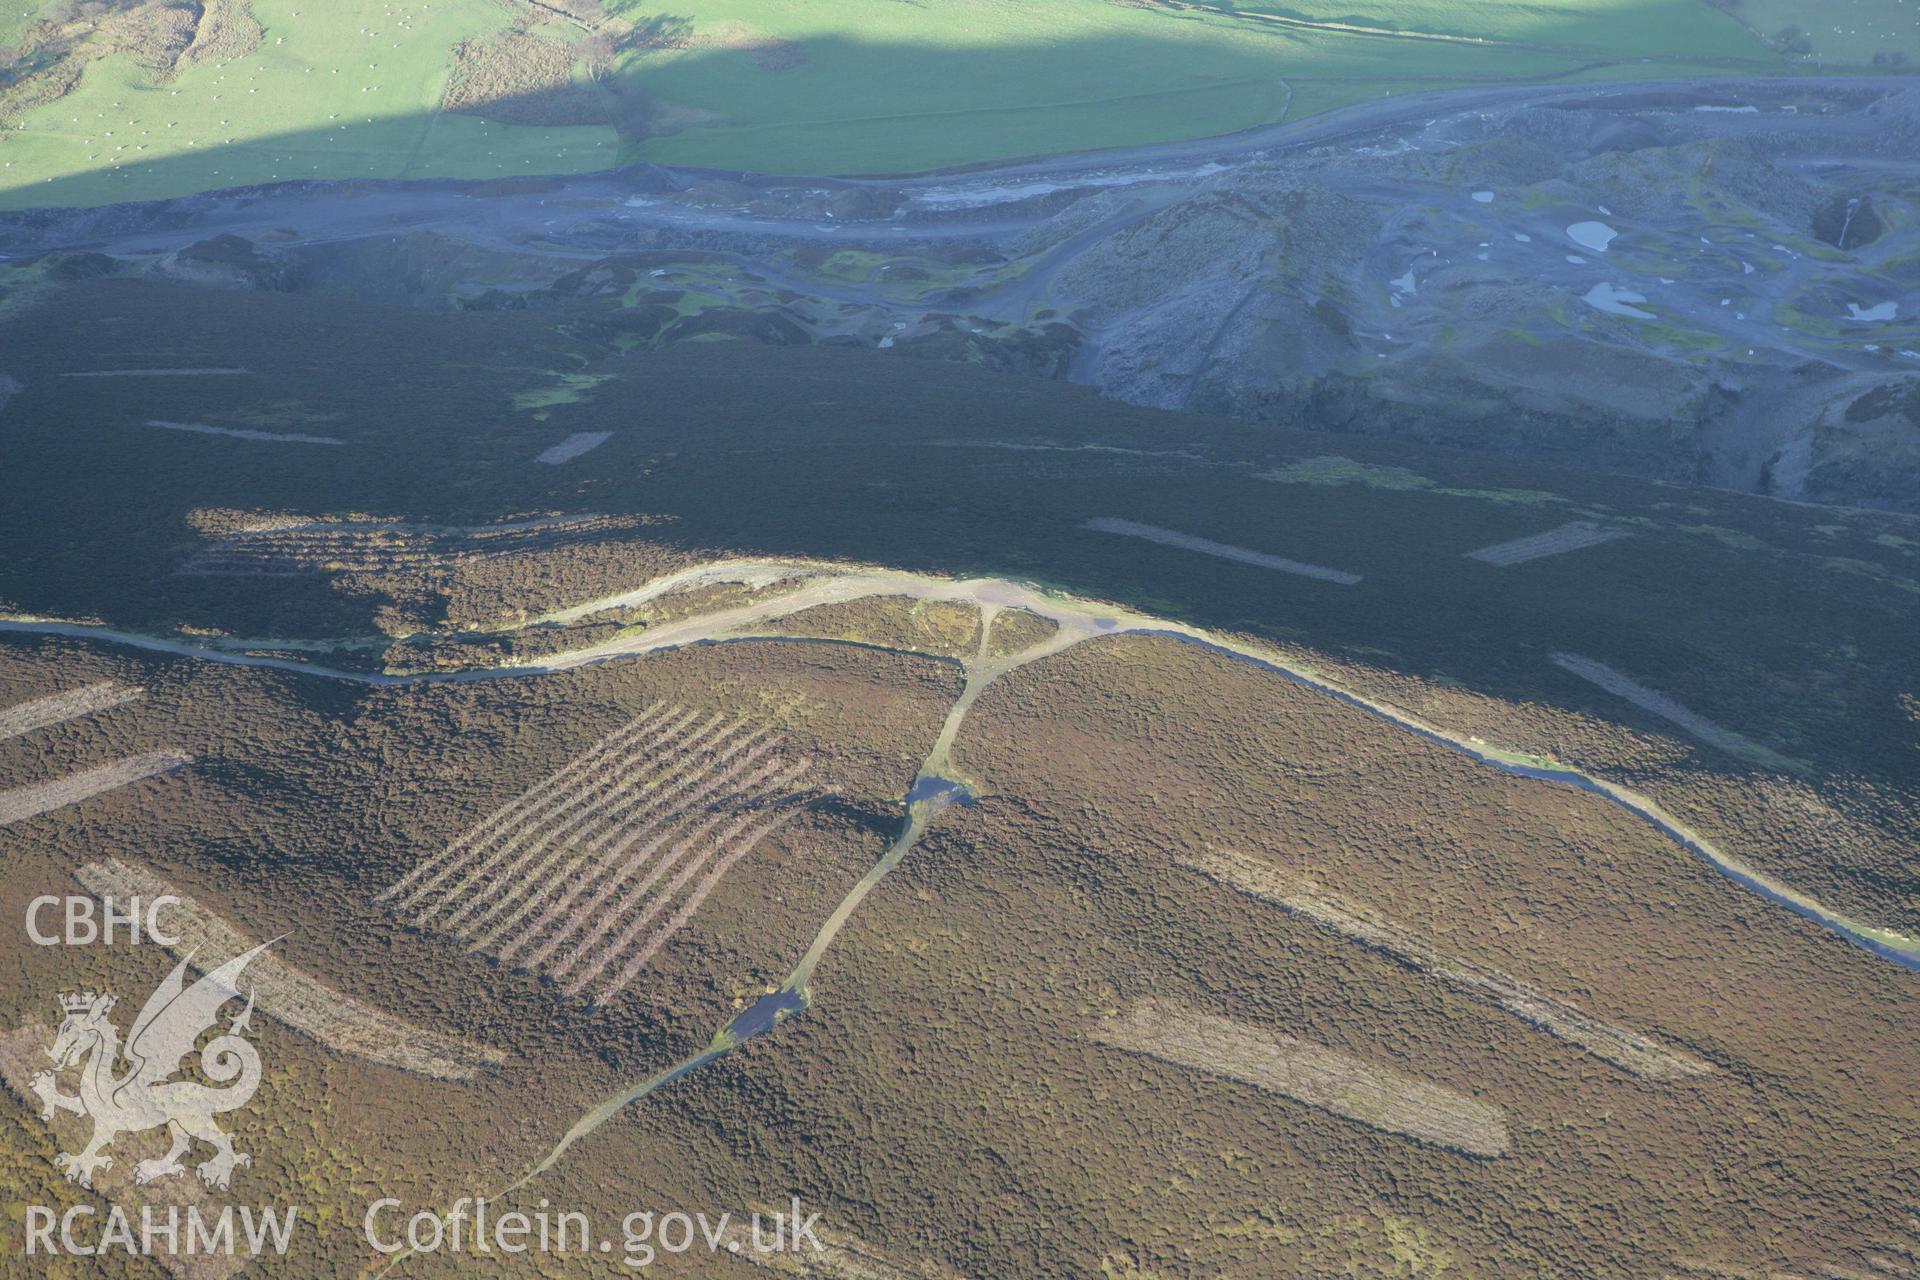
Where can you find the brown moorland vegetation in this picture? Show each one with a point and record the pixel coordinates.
(1786, 624)
(947, 1048)
(334, 1019)
(310, 797)
(1629, 1050)
(88, 700)
(941, 1097)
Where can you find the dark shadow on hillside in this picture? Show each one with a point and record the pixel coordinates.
(738, 448)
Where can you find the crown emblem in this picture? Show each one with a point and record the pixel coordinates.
(175, 1022)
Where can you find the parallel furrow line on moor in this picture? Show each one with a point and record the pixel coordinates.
(602, 919)
(292, 995)
(593, 857)
(236, 564)
(638, 894)
(1314, 1074)
(550, 793)
(25, 802)
(1631, 1051)
(1691, 722)
(1575, 536)
(647, 905)
(683, 757)
(352, 560)
(299, 541)
(304, 555)
(342, 563)
(242, 433)
(364, 548)
(514, 808)
(595, 916)
(1220, 550)
(570, 919)
(301, 545)
(665, 933)
(231, 566)
(25, 717)
(609, 870)
(573, 870)
(372, 537)
(153, 373)
(584, 817)
(494, 882)
(572, 447)
(220, 560)
(561, 921)
(302, 542)
(556, 799)
(605, 853)
(837, 1257)
(484, 544)
(549, 527)
(503, 821)
(355, 561)
(598, 918)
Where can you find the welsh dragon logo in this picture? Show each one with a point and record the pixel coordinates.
(143, 1096)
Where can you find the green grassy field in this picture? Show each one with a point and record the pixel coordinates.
(954, 81)
(342, 91)
(14, 18)
(822, 86)
(1841, 32)
(1622, 28)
